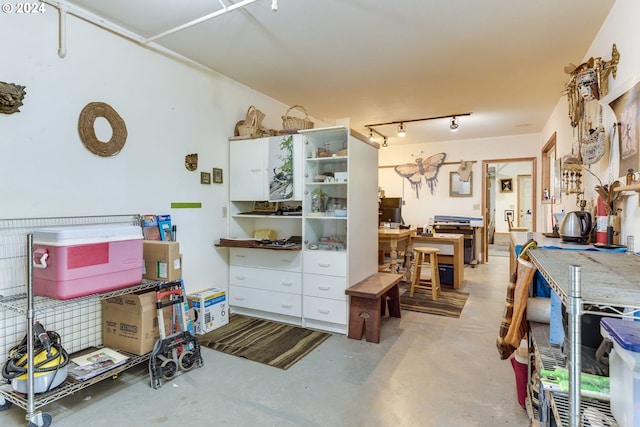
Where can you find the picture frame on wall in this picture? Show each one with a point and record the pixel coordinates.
(217, 175)
(205, 178)
(459, 188)
(506, 185)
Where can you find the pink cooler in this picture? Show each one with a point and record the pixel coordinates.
(74, 261)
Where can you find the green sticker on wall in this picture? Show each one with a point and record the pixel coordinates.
(186, 205)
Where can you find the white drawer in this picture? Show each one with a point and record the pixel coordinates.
(265, 258)
(269, 280)
(322, 286)
(326, 310)
(325, 262)
(258, 299)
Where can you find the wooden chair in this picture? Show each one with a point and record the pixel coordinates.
(512, 228)
(421, 254)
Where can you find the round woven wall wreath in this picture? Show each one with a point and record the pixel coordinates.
(88, 116)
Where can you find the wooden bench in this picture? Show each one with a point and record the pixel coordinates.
(369, 299)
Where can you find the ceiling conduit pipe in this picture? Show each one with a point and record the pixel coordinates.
(219, 12)
(70, 9)
(62, 32)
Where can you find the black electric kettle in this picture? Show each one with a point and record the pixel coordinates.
(576, 227)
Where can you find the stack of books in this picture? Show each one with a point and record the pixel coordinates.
(95, 362)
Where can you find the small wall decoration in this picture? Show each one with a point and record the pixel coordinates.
(205, 178)
(427, 168)
(87, 132)
(191, 162)
(11, 96)
(217, 175)
(459, 187)
(464, 170)
(506, 185)
(627, 130)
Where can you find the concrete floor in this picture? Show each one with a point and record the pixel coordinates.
(426, 371)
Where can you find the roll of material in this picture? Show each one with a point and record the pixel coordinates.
(539, 310)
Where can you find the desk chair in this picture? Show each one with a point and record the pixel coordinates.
(420, 258)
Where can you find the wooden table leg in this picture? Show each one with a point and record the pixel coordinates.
(394, 255)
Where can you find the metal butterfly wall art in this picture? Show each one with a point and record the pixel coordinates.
(427, 168)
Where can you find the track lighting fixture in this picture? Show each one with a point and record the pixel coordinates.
(372, 138)
(401, 130)
(384, 142)
(454, 124)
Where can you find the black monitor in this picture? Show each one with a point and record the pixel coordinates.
(391, 210)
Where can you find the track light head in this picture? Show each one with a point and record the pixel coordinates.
(401, 130)
(384, 143)
(372, 137)
(453, 124)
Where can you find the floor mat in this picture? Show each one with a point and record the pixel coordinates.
(275, 344)
(450, 302)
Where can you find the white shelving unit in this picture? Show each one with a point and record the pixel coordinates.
(305, 285)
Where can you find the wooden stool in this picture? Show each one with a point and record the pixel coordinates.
(421, 253)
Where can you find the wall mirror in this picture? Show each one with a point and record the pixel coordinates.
(459, 188)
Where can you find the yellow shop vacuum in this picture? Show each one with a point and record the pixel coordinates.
(49, 359)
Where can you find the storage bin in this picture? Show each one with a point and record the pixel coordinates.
(624, 369)
(75, 261)
(446, 275)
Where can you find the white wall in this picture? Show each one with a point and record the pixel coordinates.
(170, 109)
(620, 28)
(419, 208)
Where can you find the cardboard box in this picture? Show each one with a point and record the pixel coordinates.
(130, 323)
(161, 260)
(210, 309)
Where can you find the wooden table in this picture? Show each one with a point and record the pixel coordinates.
(451, 251)
(393, 236)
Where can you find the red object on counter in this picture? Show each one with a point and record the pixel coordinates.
(601, 222)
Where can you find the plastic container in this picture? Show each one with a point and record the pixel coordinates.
(624, 369)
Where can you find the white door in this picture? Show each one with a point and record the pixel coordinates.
(524, 201)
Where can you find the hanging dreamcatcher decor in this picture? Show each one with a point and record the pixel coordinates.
(427, 168)
(593, 144)
(589, 82)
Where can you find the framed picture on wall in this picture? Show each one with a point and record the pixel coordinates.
(506, 185)
(205, 178)
(459, 188)
(217, 175)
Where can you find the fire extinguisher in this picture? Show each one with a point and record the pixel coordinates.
(601, 221)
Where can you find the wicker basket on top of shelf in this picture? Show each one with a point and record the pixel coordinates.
(292, 123)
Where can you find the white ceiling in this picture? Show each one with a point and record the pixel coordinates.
(378, 61)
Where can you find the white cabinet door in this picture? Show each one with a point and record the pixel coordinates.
(247, 170)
